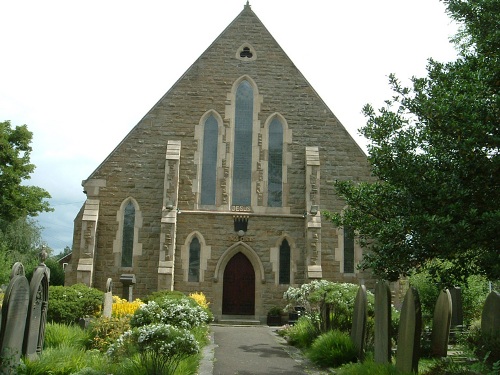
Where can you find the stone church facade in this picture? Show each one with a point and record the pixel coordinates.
(219, 188)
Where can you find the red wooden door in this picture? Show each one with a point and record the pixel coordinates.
(238, 296)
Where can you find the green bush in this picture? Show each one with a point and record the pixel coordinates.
(485, 347)
(104, 331)
(332, 349)
(56, 272)
(67, 304)
(303, 332)
(58, 335)
(369, 368)
(161, 294)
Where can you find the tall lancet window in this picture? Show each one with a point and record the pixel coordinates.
(194, 260)
(242, 166)
(284, 275)
(275, 166)
(348, 250)
(128, 234)
(209, 166)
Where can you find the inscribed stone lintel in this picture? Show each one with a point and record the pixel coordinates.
(165, 270)
(312, 155)
(85, 261)
(313, 224)
(85, 267)
(173, 150)
(170, 219)
(314, 272)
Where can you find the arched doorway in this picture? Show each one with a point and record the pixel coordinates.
(238, 296)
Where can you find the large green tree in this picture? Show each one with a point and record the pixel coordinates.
(434, 148)
(18, 200)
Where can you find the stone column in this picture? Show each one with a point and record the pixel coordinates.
(312, 214)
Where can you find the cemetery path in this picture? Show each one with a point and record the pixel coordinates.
(252, 350)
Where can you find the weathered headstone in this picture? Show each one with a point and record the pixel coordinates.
(14, 312)
(382, 322)
(359, 321)
(128, 281)
(410, 329)
(490, 317)
(441, 325)
(108, 299)
(457, 313)
(37, 312)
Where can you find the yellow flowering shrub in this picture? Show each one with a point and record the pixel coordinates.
(200, 299)
(122, 307)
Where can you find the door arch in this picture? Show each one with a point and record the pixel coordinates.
(238, 296)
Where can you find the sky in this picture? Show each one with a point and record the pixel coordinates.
(82, 74)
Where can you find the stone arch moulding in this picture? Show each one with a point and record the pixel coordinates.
(205, 254)
(248, 252)
(294, 256)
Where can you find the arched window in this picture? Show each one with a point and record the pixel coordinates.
(348, 250)
(275, 164)
(194, 260)
(284, 263)
(242, 168)
(128, 234)
(209, 166)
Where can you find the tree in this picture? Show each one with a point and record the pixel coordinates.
(434, 149)
(18, 200)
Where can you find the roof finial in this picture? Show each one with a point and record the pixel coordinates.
(247, 5)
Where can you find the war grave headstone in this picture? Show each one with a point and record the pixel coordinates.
(382, 322)
(490, 317)
(359, 321)
(108, 299)
(14, 313)
(441, 325)
(410, 329)
(37, 311)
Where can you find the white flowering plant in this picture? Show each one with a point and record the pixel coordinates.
(160, 347)
(183, 312)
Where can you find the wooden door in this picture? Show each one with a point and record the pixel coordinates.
(238, 296)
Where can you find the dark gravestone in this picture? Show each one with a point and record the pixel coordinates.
(457, 313)
(382, 322)
(410, 329)
(128, 281)
(441, 325)
(359, 321)
(490, 317)
(14, 312)
(37, 312)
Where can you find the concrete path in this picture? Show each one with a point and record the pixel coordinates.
(252, 350)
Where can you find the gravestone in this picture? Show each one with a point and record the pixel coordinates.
(108, 299)
(14, 313)
(441, 325)
(457, 313)
(382, 322)
(37, 312)
(359, 321)
(490, 317)
(410, 329)
(128, 281)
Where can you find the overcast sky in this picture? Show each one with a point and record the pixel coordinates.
(81, 74)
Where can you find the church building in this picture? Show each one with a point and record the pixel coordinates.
(220, 187)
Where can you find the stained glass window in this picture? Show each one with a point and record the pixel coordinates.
(242, 168)
(284, 276)
(194, 260)
(128, 234)
(348, 250)
(209, 165)
(275, 166)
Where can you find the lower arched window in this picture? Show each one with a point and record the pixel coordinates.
(194, 260)
(284, 263)
(348, 250)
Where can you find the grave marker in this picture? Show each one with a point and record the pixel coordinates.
(382, 322)
(108, 299)
(441, 325)
(490, 318)
(359, 320)
(410, 329)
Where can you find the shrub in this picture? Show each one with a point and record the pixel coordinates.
(160, 294)
(122, 307)
(303, 332)
(178, 312)
(104, 331)
(332, 349)
(368, 368)
(56, 272)
(58, 335)
(161, 347)
(67, 304)
(200, 299)
(485, 347)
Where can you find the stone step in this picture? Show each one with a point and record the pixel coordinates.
(243, 320)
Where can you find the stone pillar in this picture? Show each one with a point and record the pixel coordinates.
(312, 214)
(128, 281)
(170, 211)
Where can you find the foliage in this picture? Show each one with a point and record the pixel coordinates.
(121, 307)
(160, 294)
(275, 311)
(303, 332)
(332, 349)
(434, 149)
(20, 241)
(17, 200)
(474, 292)
(182, 312)
(161, 347)
(56, 272)
(104, 331)
(200, 299)
(70, 303)
(368, 368)
(59, 335)
(484, 347)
